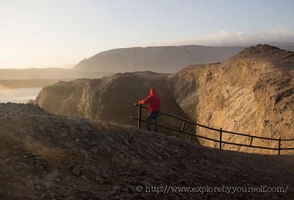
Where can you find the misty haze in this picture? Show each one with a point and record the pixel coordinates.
(20, 95)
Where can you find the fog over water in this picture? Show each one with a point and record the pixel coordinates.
(19, 95)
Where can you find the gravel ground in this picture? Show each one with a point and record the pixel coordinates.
(45, 156)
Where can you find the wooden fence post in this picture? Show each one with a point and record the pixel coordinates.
(220, 138)
(279, 153)
(183, 126)
(139, 116)
(251, 139)
(186, 122)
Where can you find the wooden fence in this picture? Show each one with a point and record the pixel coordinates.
(220, 141)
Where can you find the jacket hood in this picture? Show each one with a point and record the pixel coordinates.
(152, 91)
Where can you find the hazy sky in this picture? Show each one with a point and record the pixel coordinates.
(56, 33)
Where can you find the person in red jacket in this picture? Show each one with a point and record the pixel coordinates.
(153, 101)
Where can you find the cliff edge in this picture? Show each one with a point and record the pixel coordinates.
(110, 98)
(252, 93)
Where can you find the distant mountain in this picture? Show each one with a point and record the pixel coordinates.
(36, 73)
(164, 59)
(48, 74)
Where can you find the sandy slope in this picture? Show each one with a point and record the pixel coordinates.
(44, 156)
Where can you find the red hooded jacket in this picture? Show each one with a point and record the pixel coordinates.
(153, 101)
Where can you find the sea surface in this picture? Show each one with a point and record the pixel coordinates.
(19, 95)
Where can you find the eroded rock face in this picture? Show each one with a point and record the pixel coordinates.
(46, 156)
(251, 93)
(109, 99)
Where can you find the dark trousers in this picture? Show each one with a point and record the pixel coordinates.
(154, 116)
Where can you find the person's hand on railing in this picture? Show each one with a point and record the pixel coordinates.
(137, 103)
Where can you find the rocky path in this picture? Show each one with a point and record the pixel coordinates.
(44, 156)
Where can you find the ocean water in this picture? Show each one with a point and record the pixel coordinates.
(20, 95)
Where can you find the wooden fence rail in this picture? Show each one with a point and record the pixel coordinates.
(221, 141)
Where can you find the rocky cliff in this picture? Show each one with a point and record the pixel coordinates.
(46, 156)
(252, 93)
(110, 98)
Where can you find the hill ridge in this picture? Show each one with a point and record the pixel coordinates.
(266, 53)
(163, 59)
